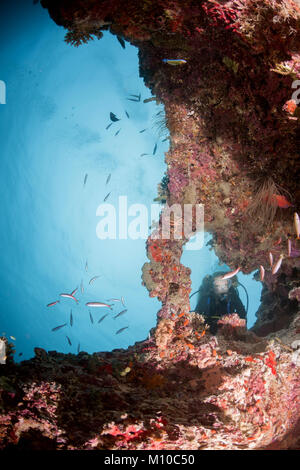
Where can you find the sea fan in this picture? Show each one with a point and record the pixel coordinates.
(263, 207)
(160, 125)
(76, 37)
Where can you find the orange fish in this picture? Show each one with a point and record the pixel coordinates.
(186, 322)
(290, 106)
(229, 352)
(191, 346)
(281, 201)
(181, 314)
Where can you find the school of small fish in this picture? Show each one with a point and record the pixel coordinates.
(137, 99)
(91, 304)
(275, 266)
(96, 304)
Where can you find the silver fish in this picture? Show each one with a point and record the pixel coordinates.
(123, 301)
(97, 304)
(81, 287)
(297, 225)
(127, 114)
(117, 132)
(230, 274)
(102, 318)
(289, 244)
(69, 341)
(106, 197)
(143, 130)
(58, 327)
(93, 279)
(107, 127)
(155, 148)
(113, 300)
(53, 303)
(91, 318)
(85, 179)
(69, 296)
(277, 264)
(78, 348)
(71, 319)
(108, 178)
(86, 265)
(121, 313)
(122, 329)
(271, 259)
(262, 272)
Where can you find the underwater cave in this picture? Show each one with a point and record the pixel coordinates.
(227, 74)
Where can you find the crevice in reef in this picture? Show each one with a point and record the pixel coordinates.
(232, 119)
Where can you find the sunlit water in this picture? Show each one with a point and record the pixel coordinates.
(53, 133)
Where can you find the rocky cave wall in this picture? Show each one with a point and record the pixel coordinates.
(234, 147)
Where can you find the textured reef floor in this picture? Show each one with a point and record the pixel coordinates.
(234, 147)
(181, 389)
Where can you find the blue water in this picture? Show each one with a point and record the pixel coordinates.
(52, 131)
(204, 261)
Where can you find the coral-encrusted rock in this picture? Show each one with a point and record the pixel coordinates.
(295, 294)
(232, 326)
(182, 389)
(40, 353)
(234, 135)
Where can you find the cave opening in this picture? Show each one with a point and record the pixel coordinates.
(205, 263)
(62, 155)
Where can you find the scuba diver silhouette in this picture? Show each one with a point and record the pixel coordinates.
(218, 297)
